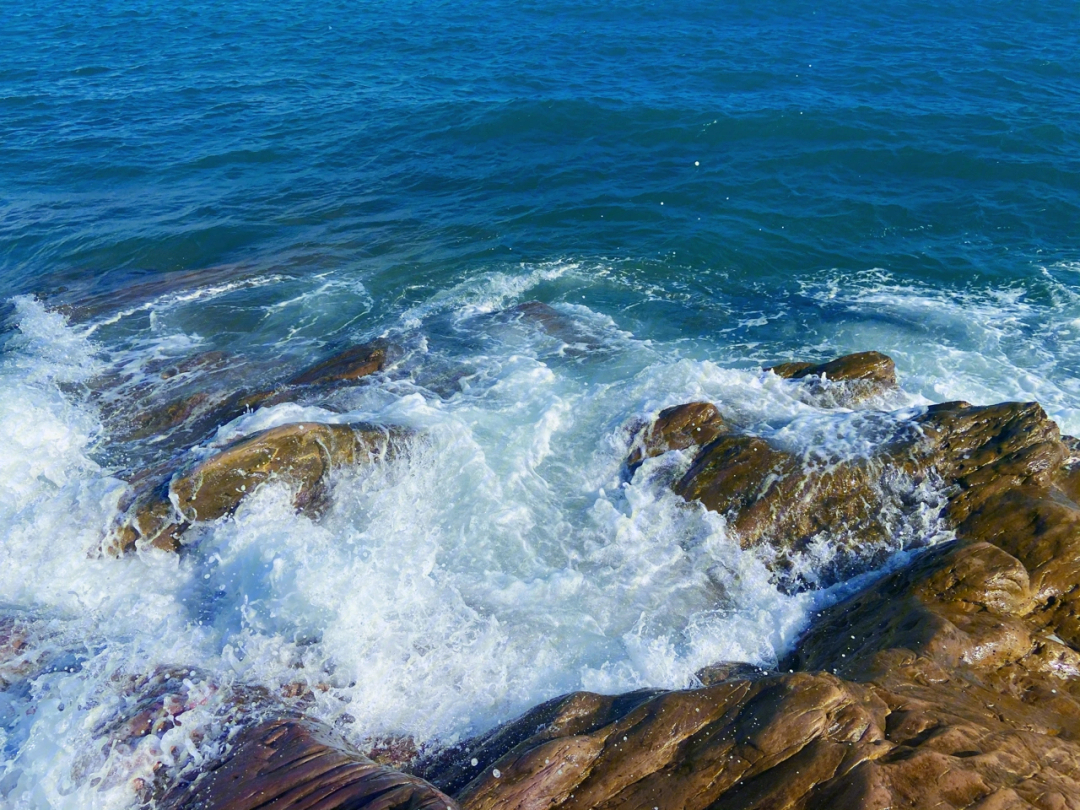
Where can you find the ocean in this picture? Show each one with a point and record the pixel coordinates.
(697, 190)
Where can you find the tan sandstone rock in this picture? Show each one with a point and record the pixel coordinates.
(302, 454)
(683, 426)
(952, 683)
(302, 765)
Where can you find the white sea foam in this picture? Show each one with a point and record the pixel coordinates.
(502, 560)
(1015, 342)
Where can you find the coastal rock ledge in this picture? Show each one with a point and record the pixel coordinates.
(953, 683)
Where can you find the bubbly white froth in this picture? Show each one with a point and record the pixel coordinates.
(504, 559)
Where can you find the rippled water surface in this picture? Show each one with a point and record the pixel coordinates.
(697, 190)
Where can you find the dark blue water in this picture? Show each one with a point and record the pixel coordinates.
(698, 188)
(413, 142)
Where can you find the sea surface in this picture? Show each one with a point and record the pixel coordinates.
(697, 189)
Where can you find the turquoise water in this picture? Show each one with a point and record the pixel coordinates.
(697, 191)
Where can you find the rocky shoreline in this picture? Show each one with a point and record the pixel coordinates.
(953, 682)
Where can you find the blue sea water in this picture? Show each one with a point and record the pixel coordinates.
(703, 188)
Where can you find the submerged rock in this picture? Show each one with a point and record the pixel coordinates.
(579, 340)
(193, 416)
(347, 366)
(303, 765)
(302, 454)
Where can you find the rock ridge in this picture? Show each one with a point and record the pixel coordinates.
(951, 683)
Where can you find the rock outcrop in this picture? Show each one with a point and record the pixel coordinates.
(695, 424)
(952, 683)
(301, 764)
(302, 454)
(849, 380)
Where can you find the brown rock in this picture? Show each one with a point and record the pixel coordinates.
(301, 765)
(955, 604)
(846, 381)
(989, 450)
(689, 749)
(770, 496)
(201, 362)
(1068, 477)
(150, 522)
(692, 425)
(163, 418)
(347, 366)
(191, 418)
(962, 672)
(797, 740)
(873, 367)
(302, 453)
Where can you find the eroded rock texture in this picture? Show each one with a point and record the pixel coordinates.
(301, 765)
(953, 683)
(302, 454)
(853, 379)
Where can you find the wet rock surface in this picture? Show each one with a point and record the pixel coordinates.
(849, 380)
(301, 764)
(695, 424)
(953, 682)
(302, 454)
(346, 366)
